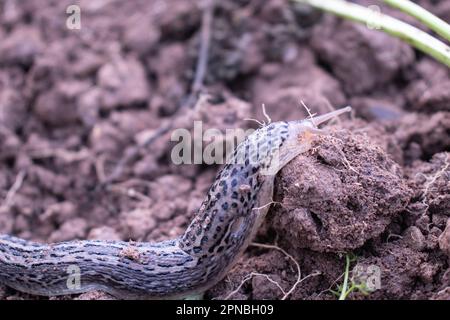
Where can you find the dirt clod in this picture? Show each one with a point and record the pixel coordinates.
(339, 195)
(444, 239)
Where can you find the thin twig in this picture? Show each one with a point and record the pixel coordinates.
(14, 188)
(132, 193)
(335, 281)
(196, 88)
(249, 277)
(269, 120)
(431, 180)
(133, 153)
(203, 55)
(266, 115)
(299, 273)
(267, 204)
(310, 115)
(99, 165)
(65, 155)
(256, 274)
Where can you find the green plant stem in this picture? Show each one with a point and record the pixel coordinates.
(344, 291)
(412, 35)
(427, 18)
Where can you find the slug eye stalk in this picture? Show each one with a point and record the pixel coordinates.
(318, 120)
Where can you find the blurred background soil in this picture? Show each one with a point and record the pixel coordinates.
(73, 103)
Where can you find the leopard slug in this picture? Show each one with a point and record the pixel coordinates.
(224, 225)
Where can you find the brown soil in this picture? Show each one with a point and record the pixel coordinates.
(73, 103)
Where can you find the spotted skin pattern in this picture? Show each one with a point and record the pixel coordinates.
(224, 225)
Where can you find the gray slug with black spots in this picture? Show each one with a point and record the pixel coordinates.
(224, 225)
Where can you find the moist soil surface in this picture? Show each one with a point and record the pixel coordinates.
(374, 191)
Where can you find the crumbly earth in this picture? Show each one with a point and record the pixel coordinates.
(75, 102)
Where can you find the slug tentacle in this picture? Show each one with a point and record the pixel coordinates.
(224, 225)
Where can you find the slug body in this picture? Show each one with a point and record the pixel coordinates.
(224, 225)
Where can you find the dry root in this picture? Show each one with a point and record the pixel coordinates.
(256, 274)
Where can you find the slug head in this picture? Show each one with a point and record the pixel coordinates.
(299, 138)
